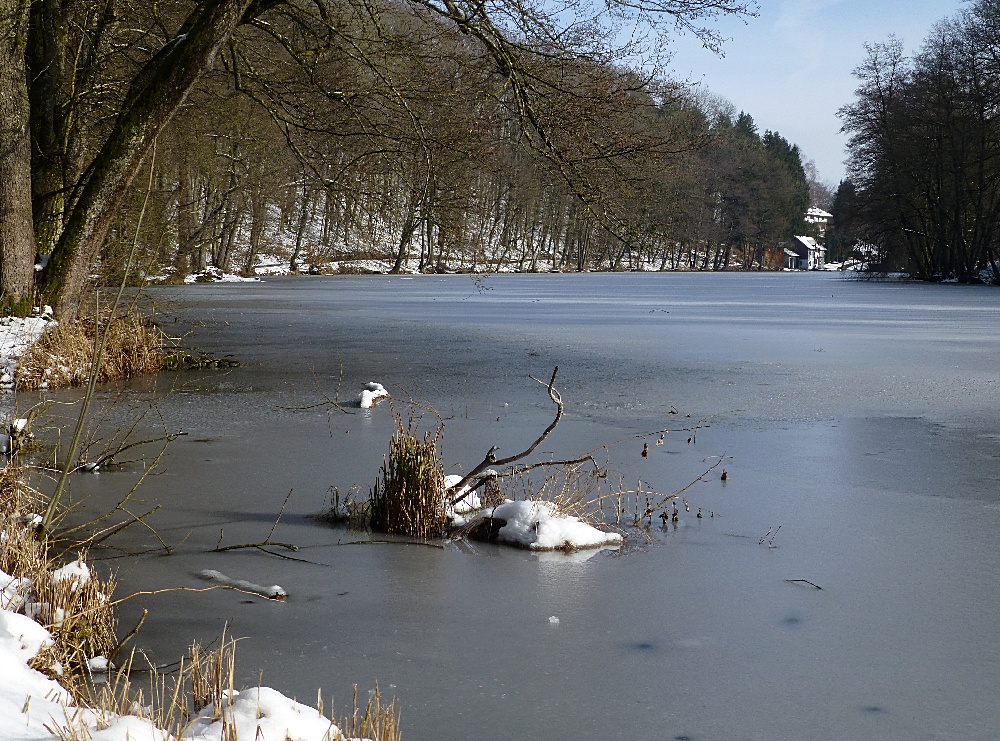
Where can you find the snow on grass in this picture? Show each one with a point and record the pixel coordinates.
(264, 713)
(76, 570)
(538, 525)
(32, 704)
(371, 394)
(213, 274)
(16, 334)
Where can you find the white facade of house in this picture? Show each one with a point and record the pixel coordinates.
(805, 253)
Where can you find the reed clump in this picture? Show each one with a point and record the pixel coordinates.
(409, 498)
(71, 602)
(201, 693)
(21, 553)
(62, 355)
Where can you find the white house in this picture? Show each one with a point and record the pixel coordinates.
(820, 219)
(805, 253)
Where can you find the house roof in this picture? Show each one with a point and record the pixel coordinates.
(818, 213)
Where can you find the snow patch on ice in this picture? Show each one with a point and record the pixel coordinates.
(538, 525)
(371, 394)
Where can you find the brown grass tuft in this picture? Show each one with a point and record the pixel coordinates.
(77, 613)
(408, 498)
(62, 355)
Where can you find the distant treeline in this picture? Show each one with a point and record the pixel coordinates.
(433, 167)
(465, 132)
(923, 188)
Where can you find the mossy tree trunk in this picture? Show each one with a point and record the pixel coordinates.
(154, 95)
(17, 242)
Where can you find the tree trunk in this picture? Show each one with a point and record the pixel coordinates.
(410, 224)
(154, 95)
(187, 221)
(44, 57)
(17, 240)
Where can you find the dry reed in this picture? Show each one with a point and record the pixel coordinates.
(63, 354)
(408, 498)
(76, 611)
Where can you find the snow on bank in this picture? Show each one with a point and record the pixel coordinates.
(16, 335)
(215, 275)
(31, 704)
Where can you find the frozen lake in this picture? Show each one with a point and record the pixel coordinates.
(861, 418)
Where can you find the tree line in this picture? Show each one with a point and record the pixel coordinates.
(431, 132)
(923, 188)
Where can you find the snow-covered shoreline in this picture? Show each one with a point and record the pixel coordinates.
(16, 335)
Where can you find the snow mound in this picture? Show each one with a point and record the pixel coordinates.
(538, 525)
(21, 636)
(371, 394)
(264, 713)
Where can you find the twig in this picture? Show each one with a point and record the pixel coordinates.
(267, 541)
(491, 459)
(803, 581)
(128, 636)
(104, 458)
(393, 542)
(327, 401)
(100, 341)
(261, 544)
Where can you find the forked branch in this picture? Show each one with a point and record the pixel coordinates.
(491, 460)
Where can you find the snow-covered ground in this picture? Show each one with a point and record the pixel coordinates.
(15, 336)
(215, 275)
(35, 708)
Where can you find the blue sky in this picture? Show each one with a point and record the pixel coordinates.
(791, 67)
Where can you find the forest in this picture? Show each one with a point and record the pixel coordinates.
(923, 188)
(430, 135)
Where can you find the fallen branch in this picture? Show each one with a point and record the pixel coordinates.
(491, 460)
(263, 543)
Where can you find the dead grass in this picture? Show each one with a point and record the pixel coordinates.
(21, 553)
(63, 354)
(202, 688)
(409, 497)
(77, 612)
(80, 616)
